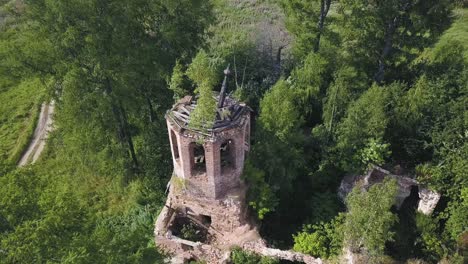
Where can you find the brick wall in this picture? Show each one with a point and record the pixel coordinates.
(215, 182)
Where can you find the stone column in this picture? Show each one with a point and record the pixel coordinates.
(178, 168)
(428, 201)
(247, 133)
(186, 156)
(213, 167)
(169, 130)
(239, 142)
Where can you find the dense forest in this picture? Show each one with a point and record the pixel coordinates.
(335, 87)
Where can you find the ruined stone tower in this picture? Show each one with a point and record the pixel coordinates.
(209, 163)
(206, 201)
(205, 214)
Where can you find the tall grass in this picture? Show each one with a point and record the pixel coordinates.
(25, 136)
(19, 111)
(458, 31)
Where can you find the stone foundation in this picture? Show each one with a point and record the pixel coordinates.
(225, 222)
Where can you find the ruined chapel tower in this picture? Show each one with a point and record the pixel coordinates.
(206, 193)
(210, 162)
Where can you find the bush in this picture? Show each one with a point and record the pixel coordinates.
(323, 240)
(238, 256)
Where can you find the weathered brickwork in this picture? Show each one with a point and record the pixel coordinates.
(215, 180)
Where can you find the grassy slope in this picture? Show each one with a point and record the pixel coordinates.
(259, 22)
(19, 110)
(458, 31)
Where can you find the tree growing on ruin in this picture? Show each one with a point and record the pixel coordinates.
(202, 73)
(369, 219)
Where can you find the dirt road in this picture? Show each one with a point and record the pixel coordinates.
(38, 140)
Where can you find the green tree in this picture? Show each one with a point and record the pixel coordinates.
(429, 240)
(369, 219)
(322, 240)
(309, 80)
(307, 21)
(124, 238)
(279, 113)
(348, 84)
(366, 119)
(202, 73)
(115, 55)
(278, 131)
(177, 81)
(260, 195)
(239, 256)
(383, 37)
(458, 219)
(17, 202)
(374, 153)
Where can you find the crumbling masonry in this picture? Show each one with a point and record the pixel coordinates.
(205, 214)
(428, 199)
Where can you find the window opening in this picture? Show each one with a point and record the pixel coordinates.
(227, 154)
(206, 220)
(247, 135)
(175, 145)
(199, 160)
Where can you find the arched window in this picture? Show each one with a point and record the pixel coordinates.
(198, 161)
(227, 154)
(175, 145)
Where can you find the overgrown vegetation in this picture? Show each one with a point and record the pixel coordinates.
(336, 86)
(95, 193)
(19, 112)
(239, 256)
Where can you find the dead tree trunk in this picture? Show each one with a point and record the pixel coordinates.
(145, 92)
(128, 136)
(390, 30)
(388, 41)
(278, 61)
(150, 109)
(324, 8)
(151, 113)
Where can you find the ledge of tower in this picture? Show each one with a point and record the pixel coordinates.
(228, 115)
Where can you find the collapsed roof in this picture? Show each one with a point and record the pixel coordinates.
(227, 115)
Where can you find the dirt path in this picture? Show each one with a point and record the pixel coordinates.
(38, 140)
